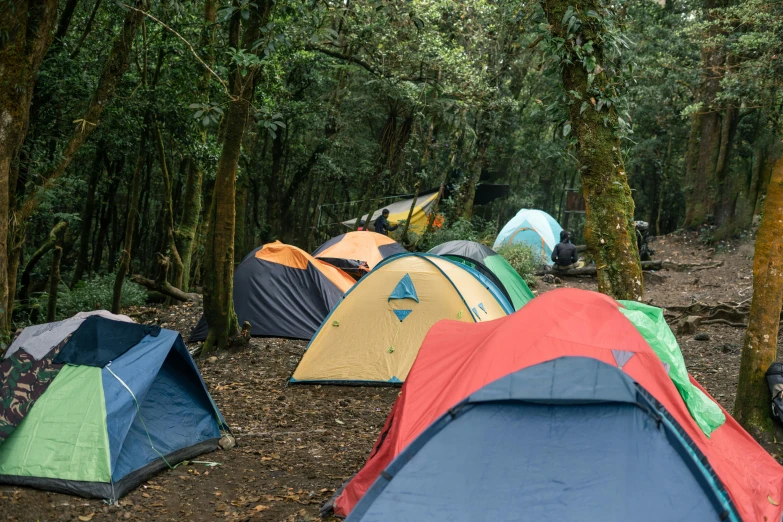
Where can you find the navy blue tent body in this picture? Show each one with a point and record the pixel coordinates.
(572, 439)
(282, 292)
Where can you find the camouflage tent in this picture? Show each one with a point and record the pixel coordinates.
(96, 406)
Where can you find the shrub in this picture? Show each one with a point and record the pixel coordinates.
(92, 294)
(476, 229)
(523, 259)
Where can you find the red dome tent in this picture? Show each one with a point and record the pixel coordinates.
(458, 359)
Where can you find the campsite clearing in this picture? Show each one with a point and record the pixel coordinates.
(296, 444)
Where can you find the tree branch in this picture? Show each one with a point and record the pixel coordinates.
(365, 65)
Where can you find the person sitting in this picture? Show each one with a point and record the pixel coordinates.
(564, 255)
(382, 225)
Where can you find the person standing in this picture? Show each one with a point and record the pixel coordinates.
(382, 225)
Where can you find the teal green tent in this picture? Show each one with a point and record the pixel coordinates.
(490, 264)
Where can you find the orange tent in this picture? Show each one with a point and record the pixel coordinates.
(358, 252)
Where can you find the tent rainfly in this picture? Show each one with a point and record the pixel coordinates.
(358, 252)
(95, 406)
(374, 334)
(546, 406)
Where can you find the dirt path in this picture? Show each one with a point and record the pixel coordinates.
(296, 444)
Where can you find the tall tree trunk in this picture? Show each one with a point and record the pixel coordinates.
(191, 210)
(87, 213)
(469, 191)
(100, 237)
(168, 211)
(130, 224)
(87, 28)
(191, 207)
(761, 338)
(27, 29)
(274, 207)
(704, 150)
(314, 227)
(664, 179)
(65, 22)
(105, 222)
(219, 251)
(609, 227)
(729, 187)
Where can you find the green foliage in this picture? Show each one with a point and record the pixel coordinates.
(523, 259)
(476, 83)
(92, 294)
(476, 229)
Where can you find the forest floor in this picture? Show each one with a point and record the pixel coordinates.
(297, 444)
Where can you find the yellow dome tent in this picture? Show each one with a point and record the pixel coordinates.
(374, 334)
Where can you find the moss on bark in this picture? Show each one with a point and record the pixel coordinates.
(609, 225)
(28, 29)
(761, 337)
(191, 210)
(219, 248)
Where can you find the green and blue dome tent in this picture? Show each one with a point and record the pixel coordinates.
(490, 264)
(534, 228)
(103, 409)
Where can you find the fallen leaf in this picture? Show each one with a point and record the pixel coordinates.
(338, 421)
(87, 518)
(261, 507)
(145, 495)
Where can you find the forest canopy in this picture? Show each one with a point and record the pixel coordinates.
(135, 122)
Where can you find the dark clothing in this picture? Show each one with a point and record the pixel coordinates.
(382, 226)
(565, 254)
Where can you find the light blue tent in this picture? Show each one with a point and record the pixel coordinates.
(531, 227)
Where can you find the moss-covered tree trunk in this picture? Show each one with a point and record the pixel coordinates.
(27, 32)
(168, 211)
(761, 338)
(240, 228)
(188, 224)
(219, 248)
(609, 223)
(476, 168)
